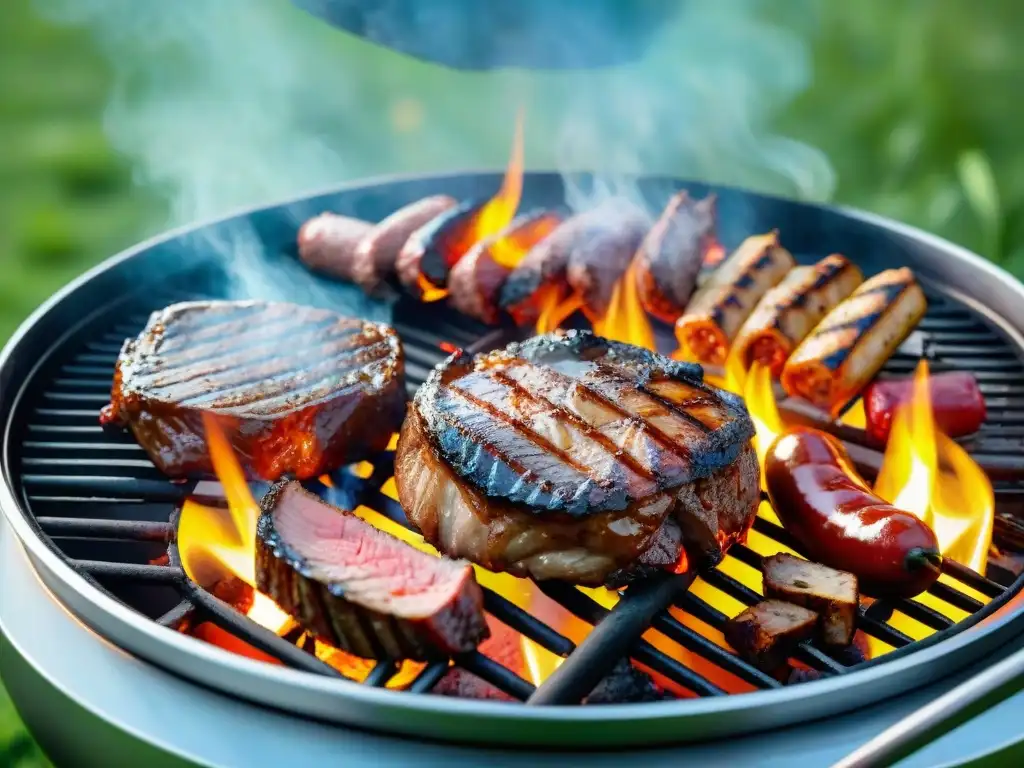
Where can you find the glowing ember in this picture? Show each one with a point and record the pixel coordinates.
(927, 473)
(500, 209)
(626, 319)
(448, 348)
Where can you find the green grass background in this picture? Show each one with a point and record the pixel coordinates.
(915, 103)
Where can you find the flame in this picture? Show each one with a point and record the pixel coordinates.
(760, 398)
(927, 473)
(429, 292)
(625, 320)
(500, 209)
(556, 306)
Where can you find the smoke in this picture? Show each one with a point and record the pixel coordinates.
(229, 103)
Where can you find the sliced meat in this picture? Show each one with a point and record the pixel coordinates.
(377, 252)
(670, 256)
(766, 634)
(360, 589)
(437, 246)
(298, 390)
(572, 457)
(476, 280)
(830, 593)
(327, 243)
(505, 646)
(602, 252)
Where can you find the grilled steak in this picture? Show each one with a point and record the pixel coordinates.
(298, 390)
(572, 457)
(360, 589)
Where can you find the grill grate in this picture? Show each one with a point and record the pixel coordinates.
(103, 506)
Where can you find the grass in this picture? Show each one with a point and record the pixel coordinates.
(915, 104)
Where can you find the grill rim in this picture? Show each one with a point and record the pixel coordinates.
(473, 720)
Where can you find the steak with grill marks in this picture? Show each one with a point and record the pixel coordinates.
(298, 390)
(573, 457)
(360, 589)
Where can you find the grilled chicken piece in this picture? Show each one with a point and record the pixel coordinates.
(790, 310)
(716, 312)
(766, 634)
(845, 351)
(830, 593)
(476, 280)
(377, 252)
(327, 243)
(360, 589)
(433, 249)
(299, 390)
(567, 456)
(670, 256)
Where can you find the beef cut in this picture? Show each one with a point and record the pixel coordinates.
(573, 457)
(298, 390)
(360, 589)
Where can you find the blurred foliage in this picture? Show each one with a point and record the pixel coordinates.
(915, 102)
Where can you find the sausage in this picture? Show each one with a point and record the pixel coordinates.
(845, 351)
(716, 312)
(840, 522)
(791, 310)
(327, 243)
(602, 250)
(423, 263)
(670, 256)
(957, 403)
(377, 252)
(475, 281)
(540, 274)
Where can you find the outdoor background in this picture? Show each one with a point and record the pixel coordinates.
(915, 103)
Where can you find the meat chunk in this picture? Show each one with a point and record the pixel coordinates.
(567, 456)
(766, 634)
(298, 390)
(327, 243)
(437, 246)
(360, 589)
(830, 593)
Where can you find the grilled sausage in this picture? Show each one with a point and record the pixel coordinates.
(957, 403)
(377, 252)
(434, 248)
(670, 256)
(327, 243)
(714, 316)
(790, 310)
(839, 521)
(476, 280)
(845, 351)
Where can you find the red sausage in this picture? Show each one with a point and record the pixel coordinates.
(327, 243)
(830, 510)
(957, 403)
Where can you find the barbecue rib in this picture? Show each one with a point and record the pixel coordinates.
(572, 457)
(360, 589)
(299, 390)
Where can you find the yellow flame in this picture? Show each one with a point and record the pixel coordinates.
(760, 399)
(500, 209)
(556, 307)
(928, 474)
(625, 320)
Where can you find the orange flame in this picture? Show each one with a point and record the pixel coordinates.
(764, 412)
(500, 209)
(556, 306)
(429, 292)
(927, 473)
(625, 320)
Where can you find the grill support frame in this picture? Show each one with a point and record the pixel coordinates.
(619, 725)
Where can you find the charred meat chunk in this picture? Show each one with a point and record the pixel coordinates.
(298, 390)
(830, 593)
(572, 457)
(670, 256)
(360, 589)
(766, 634)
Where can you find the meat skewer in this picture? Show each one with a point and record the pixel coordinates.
(360, 589)
(670, 256)
(718, 310)
(301, 390)
(475, 282)
(572, 457)
(376, 253)
(845, 351)
(791, 310)
(327, 243)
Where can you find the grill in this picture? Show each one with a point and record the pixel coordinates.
(89, 503)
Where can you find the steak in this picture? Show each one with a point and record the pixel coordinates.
(360, 589)
(298, 390)
(573, 457)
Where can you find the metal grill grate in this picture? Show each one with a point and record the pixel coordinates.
(103, 506)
